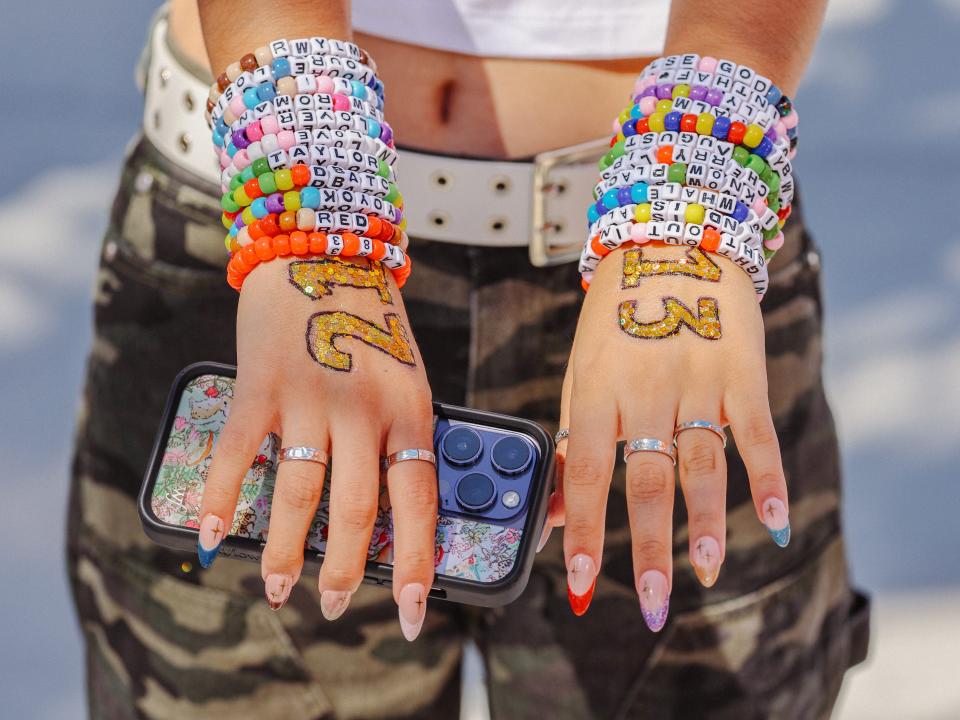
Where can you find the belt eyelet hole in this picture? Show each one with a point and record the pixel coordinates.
(438, 219)
(440, 179)
(500, 185)
(498, 224)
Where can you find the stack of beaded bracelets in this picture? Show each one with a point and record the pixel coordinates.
(307, 159)
(701, 158)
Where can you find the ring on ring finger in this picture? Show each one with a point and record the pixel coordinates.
(410, 454)
(699, 425)
(307, 454)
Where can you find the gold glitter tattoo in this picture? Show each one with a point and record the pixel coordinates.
(696, 265)
(706, 323)
(316, 278)
(324, 328)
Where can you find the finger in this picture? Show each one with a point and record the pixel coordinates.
(556, 509)
(749, 411)
(703, 477)
(650, 489)
(296, 495)
(248, 422)
(586, 485)
(354, 488)
(413, 496)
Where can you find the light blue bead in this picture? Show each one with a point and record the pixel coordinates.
(221, 127)
(610, 199)
(592, 215)
(231, 149)
(638, 193)
(635, 112)
(373, 128)
(358, 89)
(259, 208)
(234, 229)
(250, 98)
(774, 95)
(310, 197)
(280, 68)
(218, 139)
(267, 91)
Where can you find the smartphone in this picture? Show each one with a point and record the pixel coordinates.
(493, 472)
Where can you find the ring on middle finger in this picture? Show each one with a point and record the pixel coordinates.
(649, 445)
(699, 425)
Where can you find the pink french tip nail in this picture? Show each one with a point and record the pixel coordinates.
(777, 521)
(544, 536)
(412, 608)
(333, 603)
(277, 588)
(706, 560)
(654, 599)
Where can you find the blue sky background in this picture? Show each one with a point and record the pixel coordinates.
(880, 114)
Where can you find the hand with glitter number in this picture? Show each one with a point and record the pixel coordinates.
(326, 360)
(667, 335)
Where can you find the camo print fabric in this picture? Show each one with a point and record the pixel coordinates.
(163, 639)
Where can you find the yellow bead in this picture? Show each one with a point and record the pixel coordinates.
(240, 197)
(642, 213)
(694, 213)
(705, 123)
(226, 242)
(402, 224)
(284, 180)
(664, 106)
(655, 122)
(227, 222)
(291, 200)
(623, 116)
(753, 136)
(247, 216)
(621, 136)
(681, 90)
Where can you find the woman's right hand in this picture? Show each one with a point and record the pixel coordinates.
(326, 360)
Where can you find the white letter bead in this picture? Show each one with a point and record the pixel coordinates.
(692, 234)
(708, 198)
(658, 210)
(691, 195)
(728, 246)
(673, 233)
(655, 231)
(726, 67)
(713, 218)
(280, 48)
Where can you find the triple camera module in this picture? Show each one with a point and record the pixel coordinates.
(476, 492)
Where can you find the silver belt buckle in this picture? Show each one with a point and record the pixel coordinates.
(544, 253)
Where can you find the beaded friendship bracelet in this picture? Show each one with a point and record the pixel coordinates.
(700, 158)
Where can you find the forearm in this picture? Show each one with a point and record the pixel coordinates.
(232, 28)
(775, 38)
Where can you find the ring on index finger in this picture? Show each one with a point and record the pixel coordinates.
(404, 455)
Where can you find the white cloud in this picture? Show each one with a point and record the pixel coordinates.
(893, 364)
(51, 255)
(855, 13)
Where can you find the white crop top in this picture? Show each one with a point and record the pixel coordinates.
(546, 29)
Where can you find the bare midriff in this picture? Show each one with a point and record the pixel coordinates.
(449, 103)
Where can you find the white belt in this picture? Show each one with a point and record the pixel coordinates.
(539, 204)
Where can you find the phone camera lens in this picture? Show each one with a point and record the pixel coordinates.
(476, 492)
(511, 455)
(461, 445)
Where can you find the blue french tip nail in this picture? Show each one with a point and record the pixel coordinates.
(782, 536)
(205, 556)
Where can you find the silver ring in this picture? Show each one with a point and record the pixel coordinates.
(699, 425)
(308, 454)
(649, 445)
(562, 434)
(404, 455)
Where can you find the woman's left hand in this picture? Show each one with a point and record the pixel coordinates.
(667, 335)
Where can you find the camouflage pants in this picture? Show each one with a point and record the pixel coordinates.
(772, 639)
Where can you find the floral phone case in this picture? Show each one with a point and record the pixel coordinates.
(481, 558)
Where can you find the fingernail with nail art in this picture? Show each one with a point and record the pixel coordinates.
(277, 588)
(706, 560)
(777, 522)
(333, 603)
(654, 599)
(412, 608)
(581, 582)
(208, 542)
